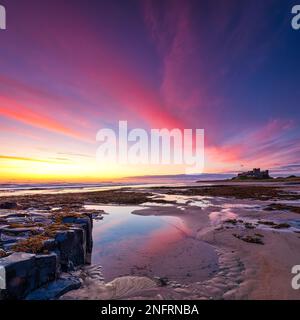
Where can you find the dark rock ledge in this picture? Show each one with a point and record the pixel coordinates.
(38, 252)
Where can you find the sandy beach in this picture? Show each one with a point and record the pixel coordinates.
(223, 241)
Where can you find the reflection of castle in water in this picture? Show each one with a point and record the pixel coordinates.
(255, 173)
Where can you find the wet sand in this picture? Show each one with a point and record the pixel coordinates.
(226, 246)
(238, 270)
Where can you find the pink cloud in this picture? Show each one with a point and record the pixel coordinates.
(12, 109)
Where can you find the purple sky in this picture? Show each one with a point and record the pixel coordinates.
(69, 68)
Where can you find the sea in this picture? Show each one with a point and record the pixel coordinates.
(29, 188)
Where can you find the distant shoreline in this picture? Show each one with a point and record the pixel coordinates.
(277, 179)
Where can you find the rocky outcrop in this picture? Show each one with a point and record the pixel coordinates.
(55, 289)
(8, 205)
(74, 246)
(45, 251)
(24, 272)
(70, 246)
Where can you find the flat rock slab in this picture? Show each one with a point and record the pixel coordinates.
(24, 272)
(3, 227)
(55, 289)
(8, 205)
(22, 230)
(5, 238)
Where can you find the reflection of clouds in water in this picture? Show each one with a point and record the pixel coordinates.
(117, 216)
(160, 240)
(217, 217)
(198, 201)
(240, 206)
(107, 224)
(172, 197)
(121, 233)
(202, 203)
(155, 204)
(112, 209)
(291, 202)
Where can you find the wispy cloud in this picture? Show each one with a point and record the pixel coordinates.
(15, 158)
(226, 66)
(14, 110)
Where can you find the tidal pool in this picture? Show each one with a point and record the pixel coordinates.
(163, 246)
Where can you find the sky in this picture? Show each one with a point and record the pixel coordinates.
(69, 68)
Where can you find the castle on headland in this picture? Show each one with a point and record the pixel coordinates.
(256, 173)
